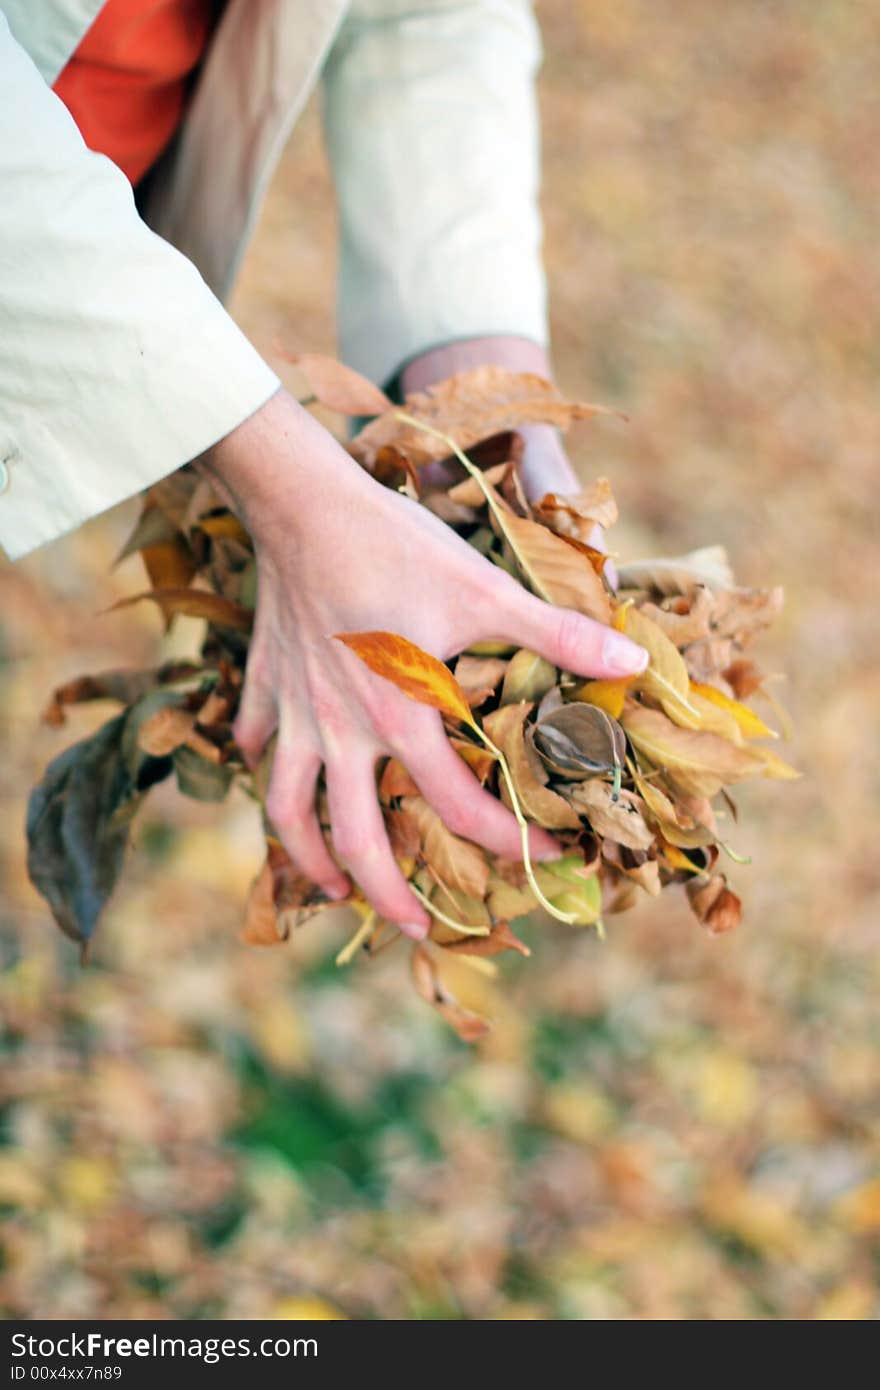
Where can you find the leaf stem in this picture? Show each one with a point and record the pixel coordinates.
(441, 916)
(523, 830)
(351, 948)
(487, 491)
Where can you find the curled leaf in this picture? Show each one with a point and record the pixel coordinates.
(579, 741)
(714, 904)
(579, 514)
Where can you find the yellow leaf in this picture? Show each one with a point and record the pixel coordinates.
(774, 766)
(418, 674)
(665, 679)
(605, 695)
(674, 856)
(748, 721)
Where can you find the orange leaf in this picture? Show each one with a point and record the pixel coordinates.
(418, 674)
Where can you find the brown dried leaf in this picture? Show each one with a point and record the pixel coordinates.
(555, 571)
(500, 938)
(195, 603)
(124, 686)
(479, 759)
(468, 492)
(469, 407)
(170, 727)
(692, 762)
(338, 387)
(505, 727)
(469, 1026)
(261, 923)
(686, 623)
(742, 613)
(714, 904)
(456, 863)
(744, 677)
(579, 514)
(679, 573)
(621, 820)
(479, 676)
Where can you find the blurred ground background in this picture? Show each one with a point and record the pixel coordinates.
(666, 1126)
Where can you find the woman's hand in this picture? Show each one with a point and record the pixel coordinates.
(336, 552)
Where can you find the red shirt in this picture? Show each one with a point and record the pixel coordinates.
(126, 85)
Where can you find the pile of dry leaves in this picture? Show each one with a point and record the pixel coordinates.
(623, 772)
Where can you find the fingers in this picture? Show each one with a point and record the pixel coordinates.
(290, 805)
(257, 717)
(361, 841)
(565, 638)
(467, 808)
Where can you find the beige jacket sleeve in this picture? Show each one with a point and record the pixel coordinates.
(117, 363)
(431, 122)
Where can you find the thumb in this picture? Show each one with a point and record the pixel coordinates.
(569, 640)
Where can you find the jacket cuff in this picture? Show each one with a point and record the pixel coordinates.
(58, 473)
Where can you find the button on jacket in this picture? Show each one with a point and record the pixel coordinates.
(118, 362)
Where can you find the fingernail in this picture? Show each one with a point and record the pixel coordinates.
(337, 895)
(621, 656)
(417, 930)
